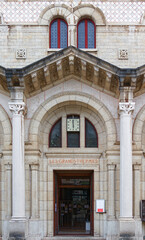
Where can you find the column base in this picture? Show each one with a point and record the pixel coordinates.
(18, 228)
(127, 229)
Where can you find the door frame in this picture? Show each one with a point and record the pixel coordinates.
(69, 173)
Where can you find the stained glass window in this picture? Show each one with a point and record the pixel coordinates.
(58, 34)
(91, 139)
(86, 34)
(55, 135)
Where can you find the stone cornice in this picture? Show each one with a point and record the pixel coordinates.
(72, 62)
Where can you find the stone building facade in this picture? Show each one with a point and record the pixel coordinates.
(49, 191)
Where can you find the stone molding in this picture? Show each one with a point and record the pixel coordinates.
(111, 167)
(17, 108)
(126, 107)
(90, 102)
(138, 127)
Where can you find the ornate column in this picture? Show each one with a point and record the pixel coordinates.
(126, 109)
(34, 191)
(111, 191)
(17, 106)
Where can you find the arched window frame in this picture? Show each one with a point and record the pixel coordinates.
(60, 119)
(86, 33)
(59, 33)
(86, 119)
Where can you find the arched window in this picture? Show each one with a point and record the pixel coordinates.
(86, 34)
(73, 134)
(91, 138)
(55, 135)
(58, 34)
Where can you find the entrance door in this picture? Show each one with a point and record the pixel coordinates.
(74, 201)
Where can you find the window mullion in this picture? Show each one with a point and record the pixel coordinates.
(58, 33)
(82, 131)
(86, 34)
(64, 131)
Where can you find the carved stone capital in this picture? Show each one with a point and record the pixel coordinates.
(17, 108)
(126, 107)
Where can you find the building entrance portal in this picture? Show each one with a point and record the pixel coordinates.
(73, 203)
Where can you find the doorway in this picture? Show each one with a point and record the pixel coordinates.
(73, 203)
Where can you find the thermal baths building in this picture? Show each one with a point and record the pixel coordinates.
(72, 120)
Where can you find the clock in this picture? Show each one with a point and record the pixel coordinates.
(73, 125)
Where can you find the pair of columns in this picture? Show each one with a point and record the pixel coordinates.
(17, 106)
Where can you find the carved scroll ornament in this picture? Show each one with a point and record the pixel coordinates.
(126, 107)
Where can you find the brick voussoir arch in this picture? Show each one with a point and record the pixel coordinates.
(138, 127)
(6, 125)
(80, 98)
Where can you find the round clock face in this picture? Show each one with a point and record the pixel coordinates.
(73, 125)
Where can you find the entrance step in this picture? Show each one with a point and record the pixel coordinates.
(73, 238)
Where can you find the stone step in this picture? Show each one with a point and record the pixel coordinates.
(73, 238)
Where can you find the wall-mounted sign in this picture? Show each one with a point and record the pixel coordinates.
(100, 205)
(142, 210)
(73, 125)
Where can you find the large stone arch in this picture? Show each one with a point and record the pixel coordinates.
(69, 97)
(138, 126)
(54, 10)
(88, 10)
(6, 128)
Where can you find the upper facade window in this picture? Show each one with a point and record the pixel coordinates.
(73, 133)
(58, 34)
(86, 34)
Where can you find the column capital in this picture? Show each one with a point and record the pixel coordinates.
(137, 166)
(126, 107)
(34, 167)
(8, 166)
(17, 107)
(111, 166)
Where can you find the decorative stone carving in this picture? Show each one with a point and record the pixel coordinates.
(41, 78)
(139, 83)
(21, 53)
(65, 66)
(89, 72)
(77, 67)
(123, 54)
(28, 83)
(17, 108)
(102, 78)
(114, 83)
(53, 72)
(126, 107)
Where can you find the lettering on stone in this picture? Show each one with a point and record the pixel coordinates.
(73, 161)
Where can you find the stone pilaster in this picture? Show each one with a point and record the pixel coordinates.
(111, 191)
(8, 168)
(136, 207)
(126, 185)
(34, 191)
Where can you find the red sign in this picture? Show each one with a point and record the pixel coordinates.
(100, 209)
